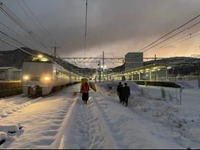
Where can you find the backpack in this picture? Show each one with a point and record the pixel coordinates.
(85, 88)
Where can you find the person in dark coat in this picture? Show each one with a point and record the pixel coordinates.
(120, 91)
(126, 93)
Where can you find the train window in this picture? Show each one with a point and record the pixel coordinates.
(56, 72)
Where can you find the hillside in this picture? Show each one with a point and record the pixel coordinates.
(181, 65)
(174, 61)
(16, 58)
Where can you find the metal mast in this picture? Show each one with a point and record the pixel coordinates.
(85, 43)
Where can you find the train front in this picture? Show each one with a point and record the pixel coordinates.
(37, 76)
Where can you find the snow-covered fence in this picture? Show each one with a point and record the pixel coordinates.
(162, 93)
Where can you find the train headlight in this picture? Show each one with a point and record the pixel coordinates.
(47, 78)
(26, 77)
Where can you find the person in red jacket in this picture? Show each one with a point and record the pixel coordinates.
(85, 92)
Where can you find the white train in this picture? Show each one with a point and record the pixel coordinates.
(40, 76)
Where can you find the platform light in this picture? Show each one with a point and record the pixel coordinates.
(26, 77)
(169, 67)
(141, 71)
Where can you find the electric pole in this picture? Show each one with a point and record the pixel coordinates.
(198, 75)
(99, 70)
(85, 39)
(103, 66)
(55, 49)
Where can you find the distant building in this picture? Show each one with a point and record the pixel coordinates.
(133, 60)
(10, 73)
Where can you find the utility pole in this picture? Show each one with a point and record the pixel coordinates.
(103, 66)
(55, 49)
(85, 39)
(99, 70)
(198, 75)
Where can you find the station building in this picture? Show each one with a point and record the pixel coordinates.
(133, 60)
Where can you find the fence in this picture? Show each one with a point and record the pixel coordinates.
(8, 88)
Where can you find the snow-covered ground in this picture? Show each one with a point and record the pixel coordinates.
(155, 118)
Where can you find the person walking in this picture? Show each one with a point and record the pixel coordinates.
(85, 92)
(126, 93)
(120, 91)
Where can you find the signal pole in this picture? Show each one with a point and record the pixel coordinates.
(55, 49)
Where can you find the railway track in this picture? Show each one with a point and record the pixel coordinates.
(62, 121)
(69, 114)
(40, 117)
(89, 129)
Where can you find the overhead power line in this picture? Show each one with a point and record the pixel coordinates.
(171, 37)
(35, 20)
(12, 38)
(169, 33)
(18, 34)
(16, 20)
(184, 38)
(16, 46)
(13, 17)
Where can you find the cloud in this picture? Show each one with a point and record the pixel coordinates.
(112, 25)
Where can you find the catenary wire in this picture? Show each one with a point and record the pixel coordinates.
(142, 49)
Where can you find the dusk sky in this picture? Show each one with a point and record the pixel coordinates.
(113, 26)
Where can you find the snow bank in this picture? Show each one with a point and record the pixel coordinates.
(61, 137)
(3, 136)
(9, 128)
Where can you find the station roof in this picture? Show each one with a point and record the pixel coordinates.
(152, 67)
(147, 67)
(7, 68)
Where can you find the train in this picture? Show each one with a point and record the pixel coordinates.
(42, 76)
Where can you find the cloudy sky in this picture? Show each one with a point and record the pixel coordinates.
(113, 26)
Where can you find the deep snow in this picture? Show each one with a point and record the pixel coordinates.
(155, 118)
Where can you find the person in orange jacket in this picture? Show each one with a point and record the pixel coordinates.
(85, 92)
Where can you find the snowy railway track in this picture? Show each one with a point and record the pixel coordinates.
(85, 122)
(13, 104)
(41, 117)
(96, 125)
(63, 121)
(88, 128)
